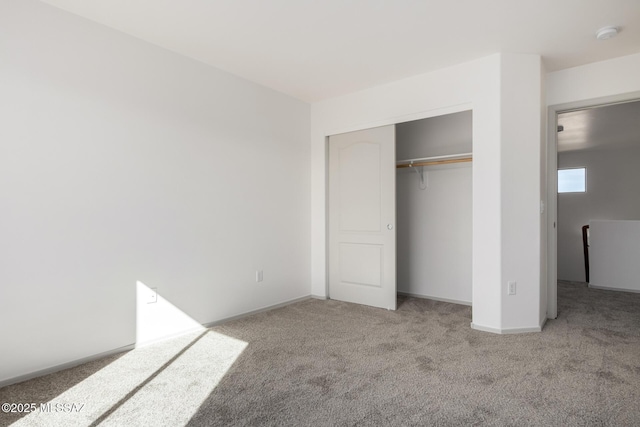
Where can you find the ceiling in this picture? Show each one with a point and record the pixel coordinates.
(607, 127)
(317, 49)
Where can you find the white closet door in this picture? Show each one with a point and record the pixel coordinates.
(362, 235)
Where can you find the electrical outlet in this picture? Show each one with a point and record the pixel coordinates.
(259, 276)
(511, 288)
(152, 297)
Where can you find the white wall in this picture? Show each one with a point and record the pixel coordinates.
(612, 188)
(434, 233)
(436, 136)
(521, 139)
(123, 162)
(615, 246)
(434, 223)
(604, 81)
(506, 129)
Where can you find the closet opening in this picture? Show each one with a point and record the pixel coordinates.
(400, 212)
(434, 208)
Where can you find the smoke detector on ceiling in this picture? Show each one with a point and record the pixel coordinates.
(605, 33)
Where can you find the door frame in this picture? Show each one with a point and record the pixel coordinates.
(552, 184)
(362, 126)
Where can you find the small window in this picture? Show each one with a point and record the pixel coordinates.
(572, 180)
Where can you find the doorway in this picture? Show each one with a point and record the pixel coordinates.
(603, 139)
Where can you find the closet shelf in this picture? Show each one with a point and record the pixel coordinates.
(436, 160)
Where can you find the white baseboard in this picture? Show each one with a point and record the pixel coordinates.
(505, 331)
(256, 311)
(168, 337)
(73, 363)
(453, 301)
(320, 297)
(606, 288)
(66, 365)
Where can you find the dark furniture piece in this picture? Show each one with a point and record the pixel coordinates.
(585, 246)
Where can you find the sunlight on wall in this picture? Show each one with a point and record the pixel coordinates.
(160, 319)
(143, 388)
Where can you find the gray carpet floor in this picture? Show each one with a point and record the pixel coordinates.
(317, 363)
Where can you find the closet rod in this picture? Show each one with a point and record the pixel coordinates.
(428, 159)
(437, 160)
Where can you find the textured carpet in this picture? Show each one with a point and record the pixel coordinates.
(333, 363)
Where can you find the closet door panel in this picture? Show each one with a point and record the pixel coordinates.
(362, 264)
(359, 187)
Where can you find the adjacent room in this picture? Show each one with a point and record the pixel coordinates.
(598, 153)
(319, 213)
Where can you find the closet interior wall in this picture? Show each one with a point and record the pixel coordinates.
(434, 219)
